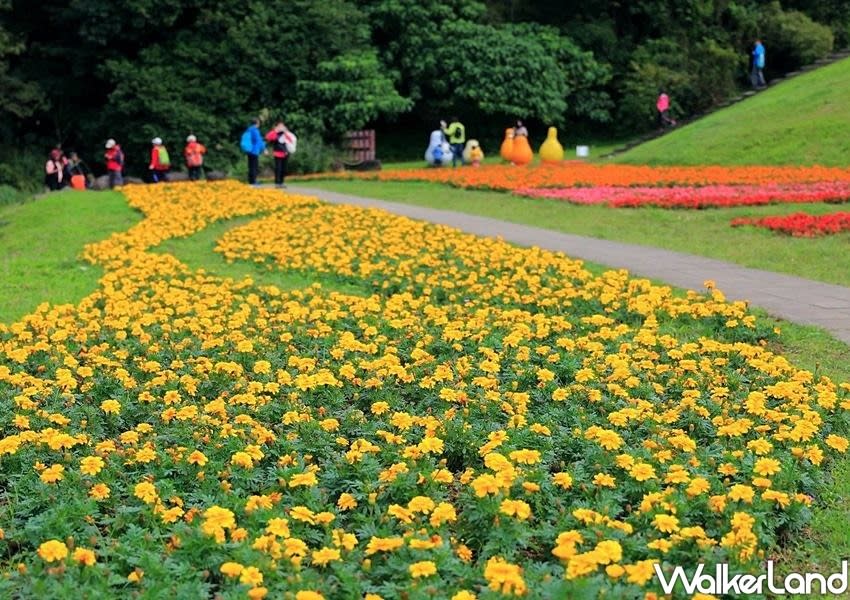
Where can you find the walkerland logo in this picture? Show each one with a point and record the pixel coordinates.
(721, 582)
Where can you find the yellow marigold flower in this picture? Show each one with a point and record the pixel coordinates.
(767, 467)
(302, 513)
(279, 527)
(91, 465)
(424, 568)
(743, 493)
(604, 480)
(379, 408)
(216, 516)
(53, 551)
(325, 555)
(110, 407)
(545, 375)
(99, 491)
(146, 492)
(308, 595)
(231, 569)
(697, 486)
(245, 346)
(422, 504)
(242, 459)
(136, 575)
(346, 501)
(307, 479)
(642, 472)
(258, 593)
(640, 572)
(484, 485)
(837, 442)
(666, 523)
(52, 474)
(464, 595)
(251, 576)
(84, 556)
(525, 457)
(504, 577)
(515, 508)
(197, 458)
(562, 480)
(383, 545)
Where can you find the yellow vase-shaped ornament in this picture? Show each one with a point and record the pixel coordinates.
(507, 149)
(551, 150)
(523, 153)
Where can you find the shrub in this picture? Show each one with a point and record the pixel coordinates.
(793, 39)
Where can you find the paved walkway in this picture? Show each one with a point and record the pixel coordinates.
(792, 298)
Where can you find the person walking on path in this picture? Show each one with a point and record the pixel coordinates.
(456, 134)
(160, 161)
(281, 140)
(194, 155)
(757, 74)
(114, 163)
(663, 107)
(252, 145)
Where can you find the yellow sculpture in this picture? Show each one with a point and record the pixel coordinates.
(551, 150)
(507, 149)
(472, 153)
(522, 153)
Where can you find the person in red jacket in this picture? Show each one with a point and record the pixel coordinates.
(194, 154)
(160, 161)
(279, 136)
(114, 163)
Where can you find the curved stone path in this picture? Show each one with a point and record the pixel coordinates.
(793, 298)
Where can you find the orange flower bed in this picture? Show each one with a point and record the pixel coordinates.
(575, 174)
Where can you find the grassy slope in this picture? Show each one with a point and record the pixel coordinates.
(800, 121)
(702, 232)
(41, 240)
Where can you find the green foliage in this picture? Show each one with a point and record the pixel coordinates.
(794, 38)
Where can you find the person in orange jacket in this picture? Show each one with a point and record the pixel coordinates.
(160, 161)
(194, 154)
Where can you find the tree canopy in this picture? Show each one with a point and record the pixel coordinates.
(80, 71)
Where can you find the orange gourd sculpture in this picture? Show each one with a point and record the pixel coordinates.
(522, 153)
(507, 149)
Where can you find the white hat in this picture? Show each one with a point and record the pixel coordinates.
(110, 143)
(156, 141)
(191, 138)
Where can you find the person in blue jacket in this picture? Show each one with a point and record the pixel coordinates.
(252, 145)
(757, 75)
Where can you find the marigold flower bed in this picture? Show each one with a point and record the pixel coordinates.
(711, 196)
(800, 224)
(581, 174)
(484, 421)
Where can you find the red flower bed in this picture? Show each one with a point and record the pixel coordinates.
(710, 196)
(800, 224)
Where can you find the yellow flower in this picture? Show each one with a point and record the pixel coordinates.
(346, 501)
(604, 480)
(52, 474)
(99, 491)
(146, 492)
(642, 472)
(666, 523)
(84, 556)
(767, 467)
(52, 551)
(836, 442)
(562, 480)
(251, 576)
(521, 510)
(197, 458)
(242, 459)
(464, 595)
(325, 555)
(91, 465)
(423, 568)
(231, 569)
(309, 595)
(110, 407)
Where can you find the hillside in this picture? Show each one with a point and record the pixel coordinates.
(800, 121)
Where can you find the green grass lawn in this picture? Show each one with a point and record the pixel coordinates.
(40, 242)
(800, 121)
(701, 232)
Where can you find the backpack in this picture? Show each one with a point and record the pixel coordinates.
(289, 142)
(164, 159)
(245, 143)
